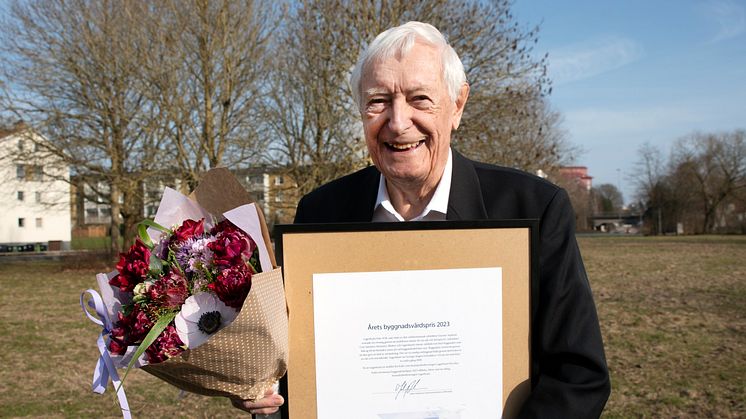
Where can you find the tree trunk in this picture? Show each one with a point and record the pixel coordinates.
(116, 209)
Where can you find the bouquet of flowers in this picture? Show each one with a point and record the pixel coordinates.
(195, 301)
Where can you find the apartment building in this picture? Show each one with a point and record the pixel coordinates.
(34, 193)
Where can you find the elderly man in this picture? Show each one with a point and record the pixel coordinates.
(411, 90)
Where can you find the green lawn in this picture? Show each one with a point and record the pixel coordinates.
(672, 313)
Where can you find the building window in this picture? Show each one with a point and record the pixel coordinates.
(21, 222)
(20, 145)
(38, 173)
(38, 197)
(38, 223)
(279, 180)
(20, 195)
(29, 172)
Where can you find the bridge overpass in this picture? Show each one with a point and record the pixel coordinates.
(623, 222)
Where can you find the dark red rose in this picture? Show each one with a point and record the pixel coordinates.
(189, 229)
(129, 329)
(133, 267)
(224, 225)
(231, 246)
(117, 346)
(167, 345)
(169, 291)
(232, 285)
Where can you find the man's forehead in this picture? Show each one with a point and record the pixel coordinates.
(420, 50)
(417, 70)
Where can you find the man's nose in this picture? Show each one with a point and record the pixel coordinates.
(400, 116)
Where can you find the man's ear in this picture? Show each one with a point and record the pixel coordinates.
(463, 95)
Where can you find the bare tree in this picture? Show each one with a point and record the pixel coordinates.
(649, 171)
(607, 198)
(208, 78)
(136, 91)
(73, 69)
(309, 108)
(713, 167)
(704, 178)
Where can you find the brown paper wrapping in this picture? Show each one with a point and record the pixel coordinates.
(243, 359)
(251, 354)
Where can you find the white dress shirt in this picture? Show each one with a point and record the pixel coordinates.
(434, 211)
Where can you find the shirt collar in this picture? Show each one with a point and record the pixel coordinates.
(435, 210)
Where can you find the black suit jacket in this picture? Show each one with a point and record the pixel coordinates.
(570, 378)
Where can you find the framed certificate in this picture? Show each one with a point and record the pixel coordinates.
(408, 320)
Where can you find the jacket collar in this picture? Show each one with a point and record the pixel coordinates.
(465, 201)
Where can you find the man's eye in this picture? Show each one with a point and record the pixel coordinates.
(376, 104)
(420, 101)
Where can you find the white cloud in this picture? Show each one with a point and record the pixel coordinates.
(591, 58)
(729, 17)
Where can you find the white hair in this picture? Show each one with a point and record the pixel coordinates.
(398, 41)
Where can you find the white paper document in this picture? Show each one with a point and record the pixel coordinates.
(409, 344)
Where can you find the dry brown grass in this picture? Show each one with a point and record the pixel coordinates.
(48, 352)
(671, 309)
(673, 316)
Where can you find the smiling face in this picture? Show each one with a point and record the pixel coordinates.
(408, 117)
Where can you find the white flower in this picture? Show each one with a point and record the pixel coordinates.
(202, 315)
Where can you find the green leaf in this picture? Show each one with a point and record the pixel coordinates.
(142, 231)
(153, 224)
(156, 264)
(158, 327)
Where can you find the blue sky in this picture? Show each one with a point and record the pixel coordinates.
(629, 72)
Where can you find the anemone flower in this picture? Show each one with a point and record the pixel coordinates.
(202, 315)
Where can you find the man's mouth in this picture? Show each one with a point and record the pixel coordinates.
(404, 146)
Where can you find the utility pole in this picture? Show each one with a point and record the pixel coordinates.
(660, 223)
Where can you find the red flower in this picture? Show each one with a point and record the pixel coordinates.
(133, 267)
(117, 346)
(167, 345)
(130, 329)
(231, 245)
(232, 285)
(189, 229)
(170, 291)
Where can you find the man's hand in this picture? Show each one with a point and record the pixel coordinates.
(267, 405)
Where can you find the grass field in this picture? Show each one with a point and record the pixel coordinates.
(672, 310)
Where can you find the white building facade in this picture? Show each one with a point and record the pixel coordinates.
(34, 193)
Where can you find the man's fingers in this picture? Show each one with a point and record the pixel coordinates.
(264, 406)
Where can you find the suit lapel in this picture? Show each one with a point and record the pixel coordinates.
(363, 200)
(465, 199)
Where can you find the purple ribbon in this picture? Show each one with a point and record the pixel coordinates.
(105, 368)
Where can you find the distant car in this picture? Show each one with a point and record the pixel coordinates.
(25, 248)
